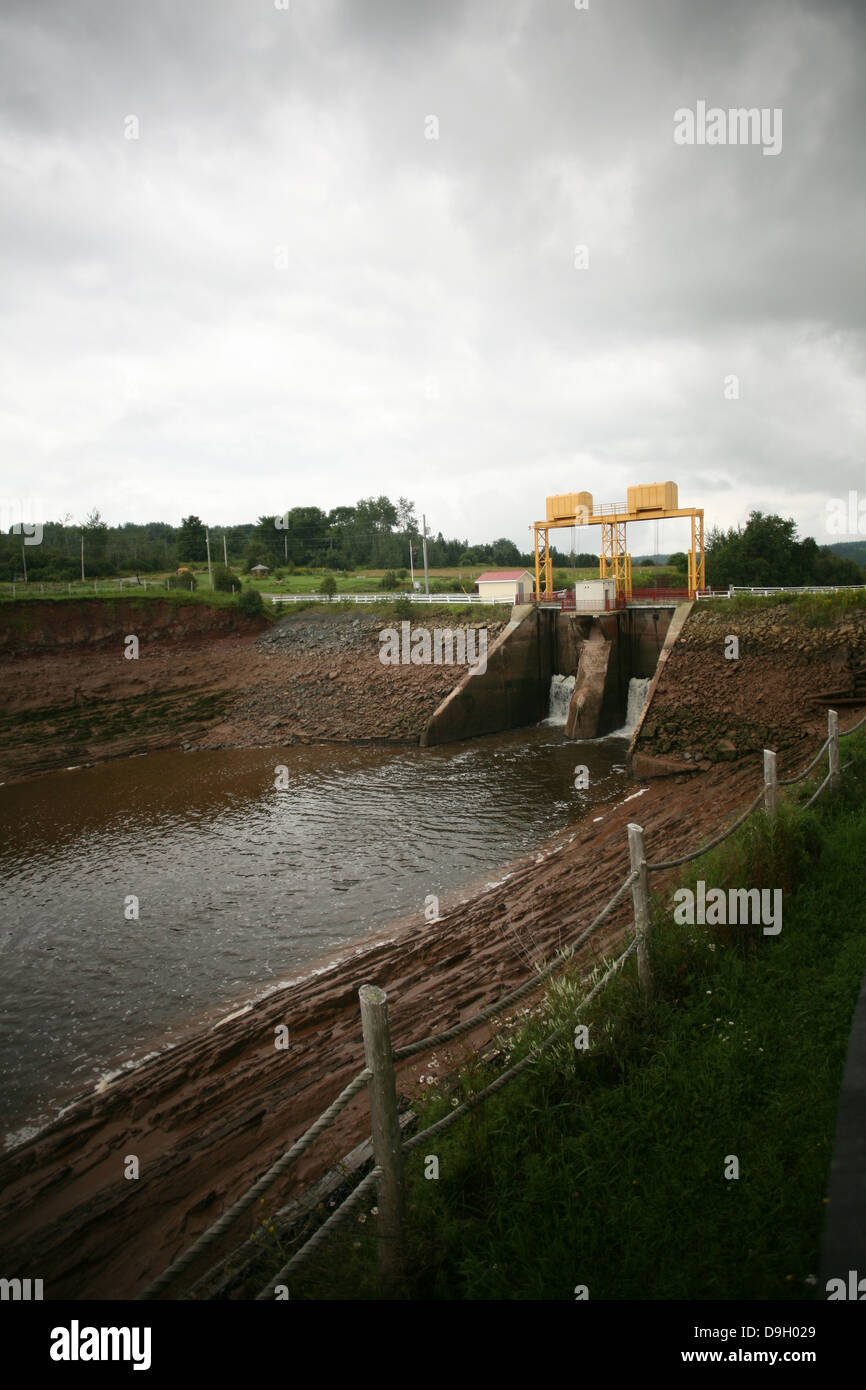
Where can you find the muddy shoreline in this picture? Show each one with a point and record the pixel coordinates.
(203, 678)
(211, 1114)
(207, 1117)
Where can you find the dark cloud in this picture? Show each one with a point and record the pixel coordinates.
(426, 331)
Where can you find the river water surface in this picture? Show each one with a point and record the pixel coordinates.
(240, 886)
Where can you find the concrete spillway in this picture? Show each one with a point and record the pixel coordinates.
(573, 668)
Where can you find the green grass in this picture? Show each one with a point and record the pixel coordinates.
(658, 578)
(16, 615)
(419, 613)
(111, 594)
(362, 582)
(606, 1167)
(813, 610)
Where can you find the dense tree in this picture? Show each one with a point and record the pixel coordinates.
(376, 513)
(303, 536)
(95, 538)
(191, 544)
(766, 553)
(268, 541)
(505, 554)
(406, 519)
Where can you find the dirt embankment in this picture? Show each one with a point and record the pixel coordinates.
(204, 678)
(34, 627)
(709, 708)
(208, 1117)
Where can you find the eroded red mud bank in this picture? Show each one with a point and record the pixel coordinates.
(204, 678)
(206, 1118)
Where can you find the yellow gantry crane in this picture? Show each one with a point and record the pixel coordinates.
(646, 502)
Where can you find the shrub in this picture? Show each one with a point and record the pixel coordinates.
(224, 580)
(186, 580)
(388, 580)
(328, 586)
(250, 602)
(403, 607)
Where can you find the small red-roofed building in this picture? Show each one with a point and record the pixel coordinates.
(515, 585)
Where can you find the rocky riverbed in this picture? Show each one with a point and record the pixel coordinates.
(203, 678)
(710, 708)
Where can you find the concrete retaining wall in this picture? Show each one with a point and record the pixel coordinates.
(512, 692)
(603, 651)
(641, 764)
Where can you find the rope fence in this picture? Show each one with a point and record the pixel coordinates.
(437, 1039)
(379, 1074)
(686, 858)
(282, 1165)
(335, 1219)
(506, 1076)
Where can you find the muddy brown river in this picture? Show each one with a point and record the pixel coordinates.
(147, 896)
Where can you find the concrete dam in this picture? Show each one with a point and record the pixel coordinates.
(599, 652)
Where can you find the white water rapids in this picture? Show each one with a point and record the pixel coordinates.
(562, 689)
(638, 688)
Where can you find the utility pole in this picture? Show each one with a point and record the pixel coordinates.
(411, 566)
(424, 548)
(225, 552)
(207, 543)
(24, 561)
(82, 557)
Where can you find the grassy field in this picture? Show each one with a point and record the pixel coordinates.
(609, 1168)
(281, 582)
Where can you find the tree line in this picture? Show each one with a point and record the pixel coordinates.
(377, 533)
(767, 552)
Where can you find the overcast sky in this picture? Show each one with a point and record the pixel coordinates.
(285, 291)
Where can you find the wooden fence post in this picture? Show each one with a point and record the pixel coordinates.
(387, 1137)
(771, 789)
(833, 736)
(640, 903)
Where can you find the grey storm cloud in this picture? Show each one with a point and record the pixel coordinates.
(339, 257)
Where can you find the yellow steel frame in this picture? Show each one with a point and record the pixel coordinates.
(615, 560)
(697, 557)
(543, 559)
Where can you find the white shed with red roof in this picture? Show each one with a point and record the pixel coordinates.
(514, 584)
